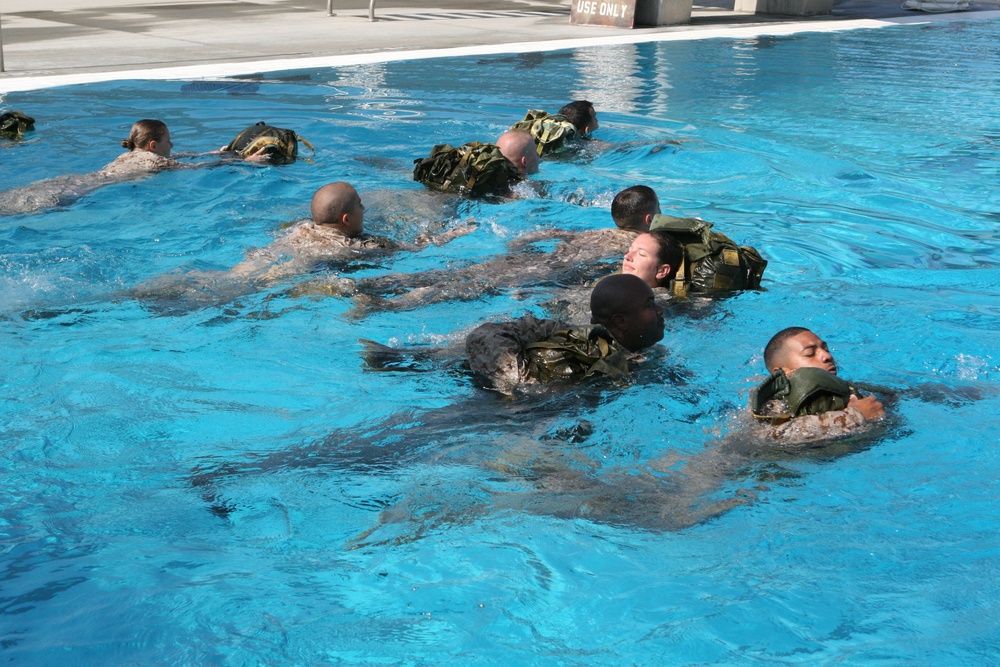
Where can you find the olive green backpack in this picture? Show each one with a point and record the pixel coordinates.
(279, 145)
(712, 261)
(474, 169)
(575, 352)
(13, 124)
(551, 131)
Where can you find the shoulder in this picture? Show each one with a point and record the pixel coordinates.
(139, 162)
(496, 349)
(371, 241)
(520, 332)
(610, 235)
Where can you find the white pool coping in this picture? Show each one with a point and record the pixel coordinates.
(219, 70)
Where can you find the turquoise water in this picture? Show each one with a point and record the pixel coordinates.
(207, 485)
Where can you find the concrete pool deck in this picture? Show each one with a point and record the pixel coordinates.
(61, 42)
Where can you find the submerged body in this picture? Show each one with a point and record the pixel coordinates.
(149, 146)
(64, 190)
(578, 259)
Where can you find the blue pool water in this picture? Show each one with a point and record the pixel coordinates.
(206, 485)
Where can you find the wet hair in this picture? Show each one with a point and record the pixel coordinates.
(579, 113)
(670, 252)
(776, 346)
(144, 131)
(631, 206)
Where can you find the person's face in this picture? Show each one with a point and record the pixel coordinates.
(643, 325)
(354, 220)
(642, 260)
(807, 350)
(593, 124)
(163, 145)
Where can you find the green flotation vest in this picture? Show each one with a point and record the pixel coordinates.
(474, 169)
(13, 124)
(575, 352)
(279, 145)
(712, 261)
(551, 131)
(809, 391)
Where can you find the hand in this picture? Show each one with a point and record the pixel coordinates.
(454, 233)
(870, 407)
(260, 157)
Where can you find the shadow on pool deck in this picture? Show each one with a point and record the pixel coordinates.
(59, 37)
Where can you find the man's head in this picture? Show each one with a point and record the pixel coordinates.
(654, 256)
(626, 307)
(797, 347)
(582, 114)
(634, 208)
(518, 146)
(338, 205)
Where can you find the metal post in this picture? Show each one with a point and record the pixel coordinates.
(1, 45)
(329, 8)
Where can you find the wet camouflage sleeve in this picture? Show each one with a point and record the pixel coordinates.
(496, 349)
(810, 428)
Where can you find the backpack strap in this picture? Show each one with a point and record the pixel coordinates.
(463, 165)
(682, 278)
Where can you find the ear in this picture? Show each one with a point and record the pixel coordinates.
(618, 324)
(647, 220)
(665, 270)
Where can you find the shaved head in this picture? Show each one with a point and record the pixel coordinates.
(775, 351)
(519, 147)
(625, 305)
(338, 205)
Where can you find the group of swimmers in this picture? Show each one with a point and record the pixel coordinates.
(802, 400)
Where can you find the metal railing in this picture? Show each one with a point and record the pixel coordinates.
(371, 10)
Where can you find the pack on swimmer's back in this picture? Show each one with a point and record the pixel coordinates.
(281, 146)
(550, 131)
(472, 170)
(712, 261)
(13, 124)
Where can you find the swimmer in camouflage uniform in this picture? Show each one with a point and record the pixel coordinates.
(625, 319)
(804, 400)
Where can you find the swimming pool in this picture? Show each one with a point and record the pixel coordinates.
(196, 486)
